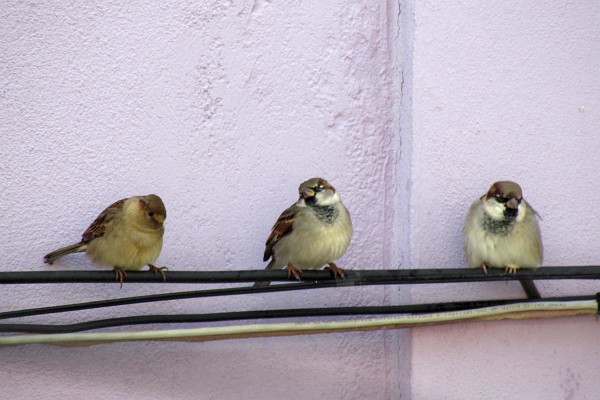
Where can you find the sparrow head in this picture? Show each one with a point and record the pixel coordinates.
(153, 209)
(318, 192)
(504, 201)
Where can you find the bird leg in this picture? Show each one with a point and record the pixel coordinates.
(336, 271)
(484, 267)
(120, 274)
(294, 271)
(511, 269)
(159, 271)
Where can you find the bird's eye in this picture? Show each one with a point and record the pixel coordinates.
(151, 214)
(318, 188)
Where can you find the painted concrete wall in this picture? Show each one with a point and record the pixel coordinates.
(222, 108)
(506, 90)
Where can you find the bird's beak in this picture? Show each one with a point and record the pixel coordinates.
(307, 193)
(512, 203)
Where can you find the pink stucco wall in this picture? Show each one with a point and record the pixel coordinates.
(506, 90)
(223, 107)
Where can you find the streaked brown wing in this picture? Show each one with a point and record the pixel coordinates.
(282, 227)
(97, 228)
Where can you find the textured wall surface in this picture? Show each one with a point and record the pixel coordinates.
(222, 108)
(506, 90)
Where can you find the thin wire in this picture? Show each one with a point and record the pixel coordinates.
(271, 314)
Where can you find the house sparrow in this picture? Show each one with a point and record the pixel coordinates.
(127, 235)
(314, 231)
(501, 231)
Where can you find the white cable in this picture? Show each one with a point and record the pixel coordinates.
(511, 311)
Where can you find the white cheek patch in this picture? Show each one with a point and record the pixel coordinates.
(326, 198)
(494, 209)
(522, 211)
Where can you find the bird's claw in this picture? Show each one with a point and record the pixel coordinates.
(336, 271)
(296, 272)
(159, 271)
(120, 275)
(484, 267)
(510, 269)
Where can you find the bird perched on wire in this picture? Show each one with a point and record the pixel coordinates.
(501, 231)
(314, 231)
(127, 235)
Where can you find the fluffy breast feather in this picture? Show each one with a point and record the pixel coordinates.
(312, 243)
(127, 246)
(521, 247)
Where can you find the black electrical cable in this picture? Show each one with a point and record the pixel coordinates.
(372, 279)
(163, 297)
(271, 314)
(530, 289)
(354, 278)
(401, 276)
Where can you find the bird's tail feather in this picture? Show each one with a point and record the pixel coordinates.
(63, 251)
(271, 265)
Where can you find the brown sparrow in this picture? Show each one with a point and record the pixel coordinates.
(314, 231)
(501, 231)
(127, 235)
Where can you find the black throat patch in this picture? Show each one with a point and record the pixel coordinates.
(500, 227)
(327, 214)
